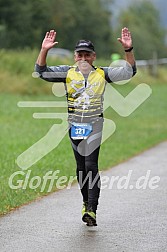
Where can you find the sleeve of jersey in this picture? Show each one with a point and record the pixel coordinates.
(52, 73)
(113, 74)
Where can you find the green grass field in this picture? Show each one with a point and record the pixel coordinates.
(143, 129)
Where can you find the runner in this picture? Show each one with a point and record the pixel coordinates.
(85, 86)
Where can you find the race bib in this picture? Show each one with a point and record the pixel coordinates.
(80, 130)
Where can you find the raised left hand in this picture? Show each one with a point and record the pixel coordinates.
(126, 39)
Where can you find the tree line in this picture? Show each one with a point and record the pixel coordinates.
(23, 25)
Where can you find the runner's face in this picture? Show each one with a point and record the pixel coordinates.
(84, 60)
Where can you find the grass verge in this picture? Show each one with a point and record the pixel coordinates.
(141, 130)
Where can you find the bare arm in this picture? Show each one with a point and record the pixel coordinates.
(126, 41)
(48, 43)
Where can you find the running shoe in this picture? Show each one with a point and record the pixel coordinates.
(84, 208)
(90, 218)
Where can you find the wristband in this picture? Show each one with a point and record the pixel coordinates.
(129, 50)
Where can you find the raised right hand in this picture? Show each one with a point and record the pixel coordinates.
(49, 40)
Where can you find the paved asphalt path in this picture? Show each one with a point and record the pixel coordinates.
(128, 219)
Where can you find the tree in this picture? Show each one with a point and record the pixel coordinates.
(143, 21)
(24, 23)
(82, 19)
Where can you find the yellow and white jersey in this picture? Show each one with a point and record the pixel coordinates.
(84, 93)
(85, 96)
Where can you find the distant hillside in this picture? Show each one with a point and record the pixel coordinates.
(161, 5)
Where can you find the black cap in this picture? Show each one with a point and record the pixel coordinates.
(84, 45)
